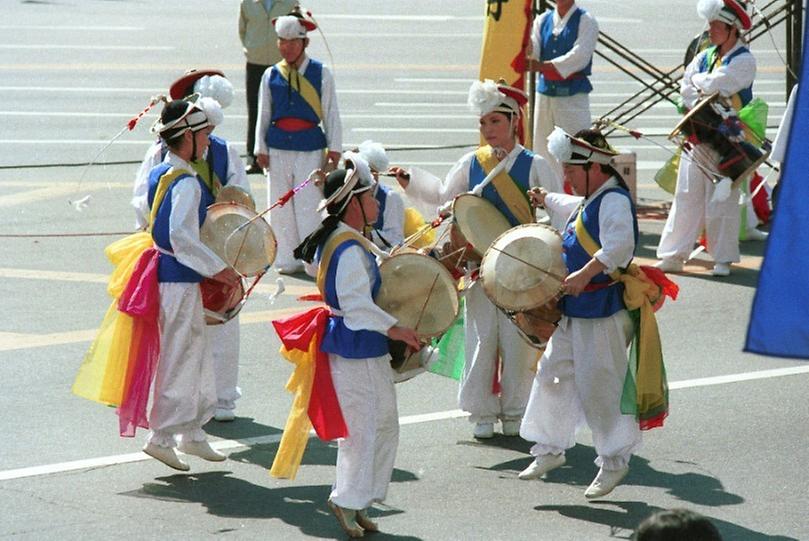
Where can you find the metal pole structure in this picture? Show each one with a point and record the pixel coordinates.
(794, 32)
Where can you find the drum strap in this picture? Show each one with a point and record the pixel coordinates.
(645, 392)
(303, 86)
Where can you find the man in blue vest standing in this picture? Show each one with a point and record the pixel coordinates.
(727, 67)
(298, 131)
(563, 41)
(581, 373)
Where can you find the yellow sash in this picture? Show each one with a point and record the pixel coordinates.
(328, 251)
(208, 176)
(305, 87)
(510, 192)
(163, 186)
(640, 293)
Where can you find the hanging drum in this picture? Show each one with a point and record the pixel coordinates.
(522, 273)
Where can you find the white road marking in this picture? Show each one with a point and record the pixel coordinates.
(38, 47)
(113, 460)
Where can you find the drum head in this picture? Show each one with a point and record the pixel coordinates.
(419, 292)
(249, 250)
(523, 268)
(234, 194)
(479, 221)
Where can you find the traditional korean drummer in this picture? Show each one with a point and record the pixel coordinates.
(489, 333)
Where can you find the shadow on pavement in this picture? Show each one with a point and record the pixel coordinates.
(226, 496)
(695, 488)
(623, 521)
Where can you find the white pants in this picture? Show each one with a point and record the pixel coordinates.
(184, 394)
(571, 113)
(489, 333)
(693, 210)
(298, 217)
(365, 458)
(581, 378)
(225, 351)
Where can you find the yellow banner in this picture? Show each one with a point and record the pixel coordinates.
(505, 36)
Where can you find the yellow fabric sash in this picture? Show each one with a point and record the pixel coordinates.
(306, 90)
(510, 192)
(639, 294)
(208, 176)
(328, 250)
(296, 430)
(103, 374)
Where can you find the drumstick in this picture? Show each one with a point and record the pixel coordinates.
(427, 300)
(551, 274)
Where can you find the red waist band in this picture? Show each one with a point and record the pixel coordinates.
(289, 123)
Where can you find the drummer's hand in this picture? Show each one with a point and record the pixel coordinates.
(538, 196)
(576, 281)
(403, 334)
(227, 276)
(402, 176)
(263, 160)
(332, 161)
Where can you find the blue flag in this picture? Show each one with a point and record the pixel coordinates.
(779, 322)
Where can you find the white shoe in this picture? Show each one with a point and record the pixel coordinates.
(511, 428)
(669, 264)
(542, 465)
(605, 481)
(293, 269)
(721, 269)
(347, 519)
(757, 234)
(224, 415)
(483, 431)
(201, 449)
(167, 456)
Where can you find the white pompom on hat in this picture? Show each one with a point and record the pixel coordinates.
(487, 97)
(212, 110)
(216, 87)
(732, 12)
(374, 153)
(295, 24)
(575, 151)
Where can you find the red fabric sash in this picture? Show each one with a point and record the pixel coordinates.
(296, 333)
(289, 123)
(141, 301)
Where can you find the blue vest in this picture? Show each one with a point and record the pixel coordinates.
(382, 198)
(217, 157)
(745, 94)
(168, 268)
(520, 172)
(601, 302)
(287, 102)
(339, 339)
(554, 46)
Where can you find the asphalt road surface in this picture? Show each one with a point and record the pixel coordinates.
(74, 71)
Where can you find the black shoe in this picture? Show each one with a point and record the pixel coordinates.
(254, 169)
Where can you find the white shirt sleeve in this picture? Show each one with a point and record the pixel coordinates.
(577, 58)
(543, 175)
(393, 218)
(727, 80)
(237, 175)
(264, 114)
(560, 206)
(353, 287)
(184, 229)
(140, 191)
(332, 125)
(429, 188)
(617, 236)
(536, 38)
